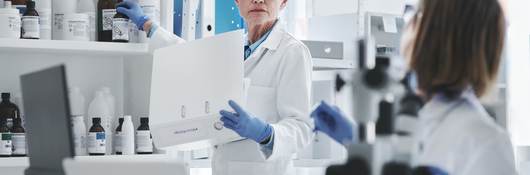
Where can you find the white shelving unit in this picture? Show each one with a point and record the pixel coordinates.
(86, 48)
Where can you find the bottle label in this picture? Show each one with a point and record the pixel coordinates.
(117, 142)
(45, 19)
(19, 143)
(144, 142)
(108, 15)
(120, 29)
(78, 28)
(5, 144)
(80, 143)
(14, 23)
(58, 21)
(30, 27)
(96, 142)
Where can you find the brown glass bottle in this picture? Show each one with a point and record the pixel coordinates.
(18, 138)
(5, 139)
(117, 137)
(144, 139)
(8, 110)
(96, 138)
(120, 28)
(106, 12)
(30, 22)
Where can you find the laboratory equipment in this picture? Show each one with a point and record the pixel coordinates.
(48, 115)
(99, 107)
(9, 23)
(374, 90)
(89, 7)
(44, 7)
(6, 144)
(18, 138)
(8, 110)
(127, 136)
(76, 27)
(105, 14)
(386, 30)
(178, 118)
(80, 135)
(30, 22)
(144, 140)
(96, 138)
(60, 8)
(117, 137)
(77, 102)
(120, 28)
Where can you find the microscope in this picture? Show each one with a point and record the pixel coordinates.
(384, 135)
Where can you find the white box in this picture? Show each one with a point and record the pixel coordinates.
(190, 84)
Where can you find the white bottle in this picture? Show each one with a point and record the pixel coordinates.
(80, 135)
(77, 102)
(89, 7)
(127, 136)
(61, 7)
(44, 7)
(99, 107)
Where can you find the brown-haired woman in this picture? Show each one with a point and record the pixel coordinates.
(454, 46)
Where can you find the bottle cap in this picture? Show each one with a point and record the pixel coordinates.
(144, 120)
(120, 120)
(30, 4)
(96, 120)
(6, 96)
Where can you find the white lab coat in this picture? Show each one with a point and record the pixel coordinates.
(280, 72)
(459, 137)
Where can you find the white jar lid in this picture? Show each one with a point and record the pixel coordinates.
(82, 16)
(9, 11)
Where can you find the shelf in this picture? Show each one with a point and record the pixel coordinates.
(18, 46)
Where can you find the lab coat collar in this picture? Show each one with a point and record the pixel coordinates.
(440, 105)
(275, 37)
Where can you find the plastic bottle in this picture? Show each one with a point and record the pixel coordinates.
(5, 139)
(44, 7)
(80, 135)
(30, 22)
(89, 7)
(106, 11)
(18, 138)
(117, 137)
(77, 102)
(8, 110)
(144, 140)
(127, 136)
(96, 138)
(111, 101)
(120, 28)
(99, 107)
(61, 7)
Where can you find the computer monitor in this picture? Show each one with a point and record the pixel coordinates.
(47, 120)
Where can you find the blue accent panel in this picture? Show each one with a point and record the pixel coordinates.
(227, 17)
(177, 17)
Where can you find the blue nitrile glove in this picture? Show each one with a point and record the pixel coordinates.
(331, 121)
(134, 12)
(246, 125)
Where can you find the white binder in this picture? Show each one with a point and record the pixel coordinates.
(190, 84)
